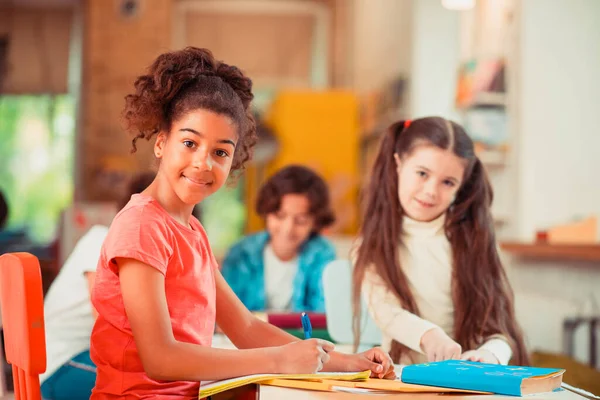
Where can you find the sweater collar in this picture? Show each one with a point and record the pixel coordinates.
(416, 228)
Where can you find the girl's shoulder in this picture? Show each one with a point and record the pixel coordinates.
(141, 217)
(144, 211)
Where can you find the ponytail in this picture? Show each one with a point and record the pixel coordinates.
(483, 298)
(381, 227)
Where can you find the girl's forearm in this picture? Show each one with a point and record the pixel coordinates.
(339, 362)
(186, 361)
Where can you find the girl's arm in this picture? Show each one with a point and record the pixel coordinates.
(247, 331)
(403, 326)
(165, 358)
(495, 350)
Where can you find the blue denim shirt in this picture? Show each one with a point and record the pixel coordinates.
(243, 268)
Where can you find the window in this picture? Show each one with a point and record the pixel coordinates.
(36, 161)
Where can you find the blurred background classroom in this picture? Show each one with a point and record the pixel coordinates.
(329, 77)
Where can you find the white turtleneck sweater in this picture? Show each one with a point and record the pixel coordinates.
(426, 259)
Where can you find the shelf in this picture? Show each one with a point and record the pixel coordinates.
(486, 99)
(548, 251)
(495, 99)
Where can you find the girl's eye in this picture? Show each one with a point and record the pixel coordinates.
(222, 153)
(449, 183)
(189, 144)
(422, 173)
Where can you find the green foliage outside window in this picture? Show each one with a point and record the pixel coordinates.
(36, 161)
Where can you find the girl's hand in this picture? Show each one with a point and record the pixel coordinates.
(483, 356)
(375, 359)
(438, 346)
(302, 357)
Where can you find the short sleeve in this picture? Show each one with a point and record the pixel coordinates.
(142, 234)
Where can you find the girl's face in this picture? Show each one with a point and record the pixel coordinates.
(197, 153)
(292, 224)
(428, 180)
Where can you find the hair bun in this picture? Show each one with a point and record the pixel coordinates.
(240, 83)
(201, 62)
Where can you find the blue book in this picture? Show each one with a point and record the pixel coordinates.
(493, 378)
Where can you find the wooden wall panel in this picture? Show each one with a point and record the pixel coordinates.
(38, 49)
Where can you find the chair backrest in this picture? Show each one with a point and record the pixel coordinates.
(22, 305)
(337, 287)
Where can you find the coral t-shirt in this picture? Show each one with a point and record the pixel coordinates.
(144, 231)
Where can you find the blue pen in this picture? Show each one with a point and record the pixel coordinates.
(306, 326)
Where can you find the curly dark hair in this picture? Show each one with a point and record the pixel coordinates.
(296, 179)
(190, 79)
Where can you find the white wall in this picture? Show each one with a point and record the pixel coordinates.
(435, 60)
(381, 43)
(417, 38)
(559, 101)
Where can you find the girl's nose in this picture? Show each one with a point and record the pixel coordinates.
(203, 160)
(431, 189)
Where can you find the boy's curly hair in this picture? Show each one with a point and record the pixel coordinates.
(297, 179)
(186, 80)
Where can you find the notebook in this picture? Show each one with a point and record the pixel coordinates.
(210, 388)
(373, 386)
(499, 379)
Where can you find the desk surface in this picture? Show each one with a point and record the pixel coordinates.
(277, 393)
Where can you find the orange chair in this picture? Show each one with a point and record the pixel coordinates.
(22, 303)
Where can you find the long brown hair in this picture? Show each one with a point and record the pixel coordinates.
(482, 296)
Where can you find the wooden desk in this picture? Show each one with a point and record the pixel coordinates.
(260, 392)
(547, 251)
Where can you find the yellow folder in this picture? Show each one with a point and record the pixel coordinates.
(214, 387)
(377, 385)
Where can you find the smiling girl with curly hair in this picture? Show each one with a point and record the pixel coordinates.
(158, 290)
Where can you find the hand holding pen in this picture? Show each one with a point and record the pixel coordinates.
(305, 356)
